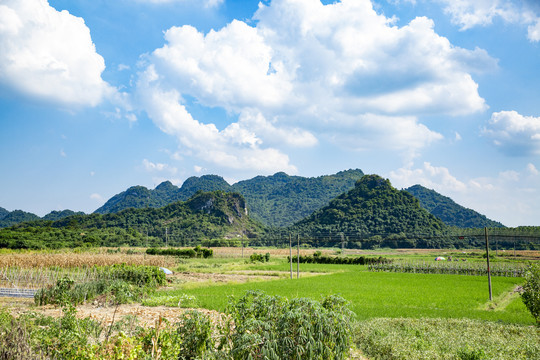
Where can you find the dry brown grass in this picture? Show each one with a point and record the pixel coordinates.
(237, 251)
(70, 260)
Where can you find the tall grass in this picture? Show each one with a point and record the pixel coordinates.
(71, 260)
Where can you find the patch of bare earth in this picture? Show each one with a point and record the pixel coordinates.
(186, 276)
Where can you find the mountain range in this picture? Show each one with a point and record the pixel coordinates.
(279, 200)
(372, 207)
(207, 216)
(8, 218)
(448, 211)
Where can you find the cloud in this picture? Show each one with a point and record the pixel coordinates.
(158, 167)
(512, 195)
(429, 176)
(532, 169)
(471, 13)
(206, 3)
(97, 197)
(513, 133)
(306, 72)
(47, 54)
(235, 147)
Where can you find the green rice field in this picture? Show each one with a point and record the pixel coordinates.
(371, 294)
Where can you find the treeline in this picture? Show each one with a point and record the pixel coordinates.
(317, 258)
(197, 252)
(204, 217)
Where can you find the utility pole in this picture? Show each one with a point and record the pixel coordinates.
(298, 258)
(290, 252)
(342, 244)
(166, 237)
(488, 269)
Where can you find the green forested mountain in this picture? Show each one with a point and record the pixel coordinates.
(15, 217)
(448, 211)
(139, 197)
(281, 200)
(8, 218)
(57, 215)
(202, 218)
(373, 209)
(3, 213)
(277, 200)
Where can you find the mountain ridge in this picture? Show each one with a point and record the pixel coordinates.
(449, 211)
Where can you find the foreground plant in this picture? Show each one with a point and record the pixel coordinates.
(531, 291)
(465, 339)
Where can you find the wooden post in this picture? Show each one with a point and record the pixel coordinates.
(488, 269)
(298, 258)
(342, 243)
(290, 252)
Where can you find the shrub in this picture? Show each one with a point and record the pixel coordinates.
(195, 332)
(124, 283)
(274, 327)
(184, 253)
(259, 257)
(531, 291)
(317, 258)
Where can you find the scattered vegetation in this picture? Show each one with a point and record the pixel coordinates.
(450, 267)
(259, 257)
(197, 252)
(255, 326)
(124, 283)
(464, 339)
(317, 258)
(531, 291)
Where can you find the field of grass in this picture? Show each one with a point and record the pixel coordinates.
(374, 294)
(399, 315)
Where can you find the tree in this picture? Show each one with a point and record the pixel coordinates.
(531, 291)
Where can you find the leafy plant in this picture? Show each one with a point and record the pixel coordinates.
(531, 291)
(274, 327)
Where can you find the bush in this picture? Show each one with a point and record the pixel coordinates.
(259, 257)
(198, 251)
(317, 258)
(274, 327)
(124, 283)
(531, 291)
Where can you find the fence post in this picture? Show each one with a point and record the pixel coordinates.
(298, 258)
(488, 269)
(290, 252)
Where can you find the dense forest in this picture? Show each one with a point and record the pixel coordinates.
(9, 218)
(205, 218)
(277, 200)
(369, 214)
(347, 209)
(448, 211)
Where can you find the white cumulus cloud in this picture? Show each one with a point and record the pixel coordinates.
(235, 147)
(206, 3)
(513, 133)
(470, 13)
(49, 54)
(307, 72)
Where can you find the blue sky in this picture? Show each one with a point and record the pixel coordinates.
(97, 96)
